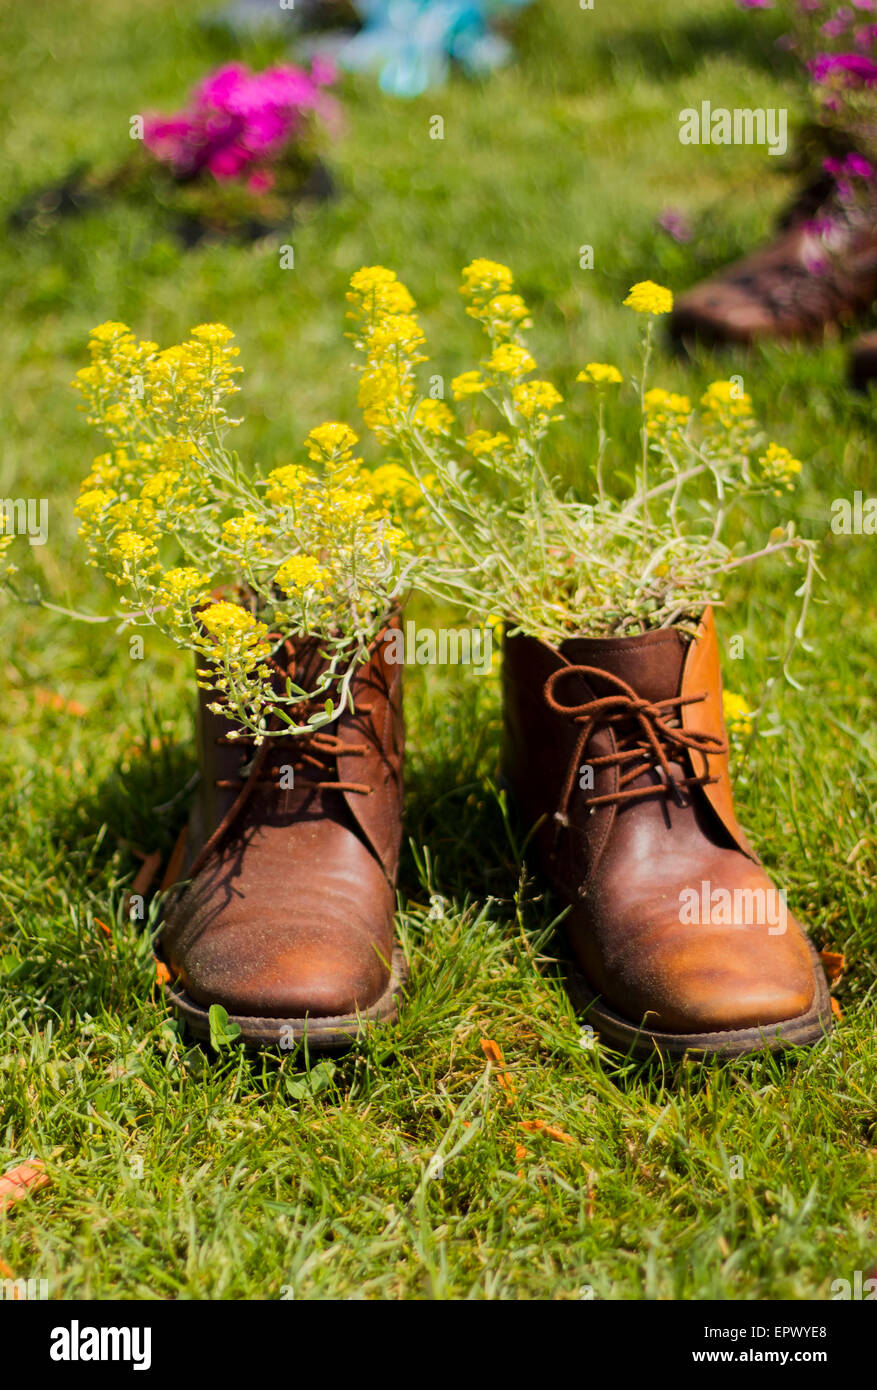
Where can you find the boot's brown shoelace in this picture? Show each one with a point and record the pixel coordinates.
(652, 736)
(317, 748)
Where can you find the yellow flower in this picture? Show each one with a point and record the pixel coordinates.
(600, 374)
(659, 399)
(648, 298)
(667, 413)
(395, 331)
(382, 389)
(183, 584)
(375, 291)
(484, 279)
(725, 405)
(244, 534)
(391, 539)
(301, 572)
(506, 311)
(227, 620)
(342, 505)
(324, 441)
(779, 466)
(738, 715)
(434, 417)
(95, 500)
(482, 442)
(534, 400)
(161, 485)
(132, 547)
(392, 483)
(510, 359)
(286, 484)
(213, 334)
(467, 384)
(109, 331)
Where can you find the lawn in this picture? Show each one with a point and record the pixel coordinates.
(177, 1172)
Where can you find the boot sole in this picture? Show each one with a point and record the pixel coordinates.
(334, 1033)
(623, 1036)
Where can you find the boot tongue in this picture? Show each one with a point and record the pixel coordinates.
(651, 664)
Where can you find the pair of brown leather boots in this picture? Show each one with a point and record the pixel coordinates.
(614, 748)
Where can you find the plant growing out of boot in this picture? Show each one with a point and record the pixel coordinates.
(512, 537)
(229, 560)
(615, 746)
(282, 583)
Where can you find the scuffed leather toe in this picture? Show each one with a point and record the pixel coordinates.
(723, 979)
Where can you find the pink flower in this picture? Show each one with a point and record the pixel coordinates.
(839, 24)
(859, 167)
(675, 224)
(237, 118)
(856, 68)
(819, 226)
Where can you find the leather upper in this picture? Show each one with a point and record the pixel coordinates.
(289, 912)
(627, 868)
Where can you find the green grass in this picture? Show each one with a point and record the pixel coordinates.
(177, 1173)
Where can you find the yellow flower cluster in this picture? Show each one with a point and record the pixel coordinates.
(667, 414)
(467, 384)
(488, 287)
(206, 550)
(299, 573)
(388, 333)
(600, 374)
(726, 406)
(510, 359)
(391, 484)
(503, 315)
(232, 640)
(481, 443)
(484, 280)
(738, 715)
(648, 298)
(433, 417)
(178, 393)
(536, 401)
(779, 468)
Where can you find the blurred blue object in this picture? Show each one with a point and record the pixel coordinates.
(411, 43)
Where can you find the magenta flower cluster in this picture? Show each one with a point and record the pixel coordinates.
(851, 69)
(239, 122)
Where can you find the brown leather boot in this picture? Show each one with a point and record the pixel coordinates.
(287, 920)
(617, 747)
(792, 288)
